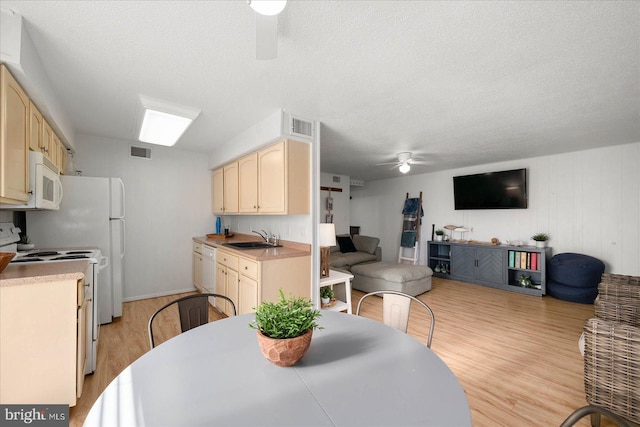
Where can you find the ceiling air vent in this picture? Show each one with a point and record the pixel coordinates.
(336, 178)
(142, 152)
(301, 127)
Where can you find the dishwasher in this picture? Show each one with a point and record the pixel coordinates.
(209, 271)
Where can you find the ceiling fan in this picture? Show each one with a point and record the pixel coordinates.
(404, 162)
(267, 12)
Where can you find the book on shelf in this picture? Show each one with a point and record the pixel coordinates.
(524, 260)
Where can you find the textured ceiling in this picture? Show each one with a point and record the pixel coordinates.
(459, 83)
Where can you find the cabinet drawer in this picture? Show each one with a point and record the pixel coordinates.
(226, 259)
(197, 247)
(248, 268)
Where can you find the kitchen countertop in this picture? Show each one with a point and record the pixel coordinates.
(27, 274)
(288, 249)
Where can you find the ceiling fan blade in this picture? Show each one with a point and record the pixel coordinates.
(420, 162)
(266, 36)
(388, 163)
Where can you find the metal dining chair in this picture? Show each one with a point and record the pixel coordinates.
(580, 413)
(193, 311)
(395, 310)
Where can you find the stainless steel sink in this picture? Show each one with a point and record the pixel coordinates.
(251, 245)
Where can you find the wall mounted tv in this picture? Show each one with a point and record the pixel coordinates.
(492, 190)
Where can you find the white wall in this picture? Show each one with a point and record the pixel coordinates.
(587, 201)
(168, 201)
(340, 201)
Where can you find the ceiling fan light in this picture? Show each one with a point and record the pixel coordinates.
(404, 167)
(268, 7)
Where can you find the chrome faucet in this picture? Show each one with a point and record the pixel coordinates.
(265, 236)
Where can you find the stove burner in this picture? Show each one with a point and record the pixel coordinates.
(70, 257)
(44, 253)
(77, 252)
(27, 260)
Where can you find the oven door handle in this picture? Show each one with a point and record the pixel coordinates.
(104, 263)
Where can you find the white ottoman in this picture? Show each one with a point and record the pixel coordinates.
(385, 276)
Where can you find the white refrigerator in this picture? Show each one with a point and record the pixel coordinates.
(92, 214)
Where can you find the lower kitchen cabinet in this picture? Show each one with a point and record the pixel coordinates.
(43, 331)
(248, 282)
(226, 281)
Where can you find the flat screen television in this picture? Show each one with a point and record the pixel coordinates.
(492, 190)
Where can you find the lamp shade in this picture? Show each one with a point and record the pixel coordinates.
(327, 234)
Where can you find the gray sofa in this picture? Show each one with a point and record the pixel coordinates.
(354, 251)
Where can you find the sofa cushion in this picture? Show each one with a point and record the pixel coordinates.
(365, 243)
(346, 244)
(350, 258)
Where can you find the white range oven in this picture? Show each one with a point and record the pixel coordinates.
(97, 262)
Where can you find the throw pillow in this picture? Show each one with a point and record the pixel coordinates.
(345, 243)
(366, 244)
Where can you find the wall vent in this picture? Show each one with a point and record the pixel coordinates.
(299, 127)
(141, 152)
(336, 179)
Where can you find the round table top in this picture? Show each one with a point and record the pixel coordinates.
(356, 372)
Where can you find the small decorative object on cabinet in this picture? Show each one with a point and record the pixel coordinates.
(540, 239)
(439, 234)
(285, 328)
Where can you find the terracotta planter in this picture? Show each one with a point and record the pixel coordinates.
(284, 352)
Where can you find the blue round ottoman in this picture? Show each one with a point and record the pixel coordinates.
(568, 293)
(574, 277)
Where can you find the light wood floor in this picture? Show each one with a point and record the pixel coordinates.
(515, 355)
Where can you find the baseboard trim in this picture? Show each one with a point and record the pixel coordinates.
(160, 294)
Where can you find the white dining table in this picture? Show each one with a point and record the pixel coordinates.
(357, 372)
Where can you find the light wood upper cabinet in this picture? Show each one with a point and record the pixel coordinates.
(271, 179)
(36, 124)
(230, 193)
(274, 180)
(54, 149)
(284, 178)
(14, 140)
(62, 157)
(217, 188)
(248, 183)
(47, 140)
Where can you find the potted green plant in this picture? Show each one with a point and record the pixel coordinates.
(439, 233)
(284, 328)
(540, 239)
(326, 293)
(25, 243)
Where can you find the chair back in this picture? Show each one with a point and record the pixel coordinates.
(193, 311)
(395, 310)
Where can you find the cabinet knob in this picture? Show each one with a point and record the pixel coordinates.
(246, 268)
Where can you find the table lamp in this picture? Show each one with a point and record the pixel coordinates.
(326, 238)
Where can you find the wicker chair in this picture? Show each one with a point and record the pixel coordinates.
(612, 349)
